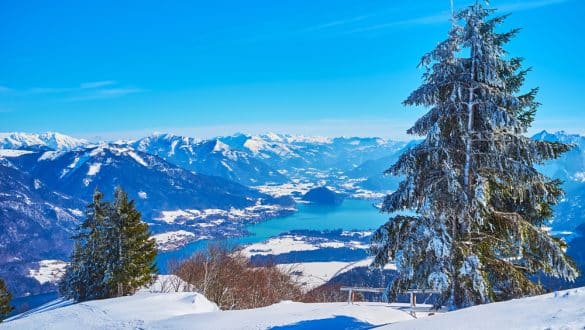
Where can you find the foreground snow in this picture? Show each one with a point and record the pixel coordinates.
(191, 310)
(294, 315)
(559, 310)
(119, 313)
(187, 310)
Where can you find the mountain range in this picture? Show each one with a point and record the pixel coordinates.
(194, 189)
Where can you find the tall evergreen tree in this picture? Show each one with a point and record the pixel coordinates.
(5, 297)
(478, 233)
(113, 254)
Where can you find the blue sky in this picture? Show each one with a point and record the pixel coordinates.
(112, 69)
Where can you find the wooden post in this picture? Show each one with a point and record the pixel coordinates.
(350, 296)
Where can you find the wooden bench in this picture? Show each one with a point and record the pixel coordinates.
(411, 292)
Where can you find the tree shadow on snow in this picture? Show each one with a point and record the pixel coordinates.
(337, 322)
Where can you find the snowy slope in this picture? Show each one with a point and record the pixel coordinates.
(184, 310)
(560, 310)
(36, 223)
(119, 313)
(158, 184)
(211, 157)
(191, 310)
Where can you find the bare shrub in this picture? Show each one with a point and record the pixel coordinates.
(232, 282)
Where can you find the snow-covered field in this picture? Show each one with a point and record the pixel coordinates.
(206, 216)
(559, 310)
(13, 153)
(49, 271)
(184, 310)
(132, 312)
(172, 240)
(294, 243)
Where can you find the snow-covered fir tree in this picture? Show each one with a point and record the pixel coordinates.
(478, 234)
(113, 254)
(5, 297)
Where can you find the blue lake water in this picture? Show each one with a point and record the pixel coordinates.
(350, 215)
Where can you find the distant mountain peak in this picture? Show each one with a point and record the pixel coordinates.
(559, 136)
(47, 140)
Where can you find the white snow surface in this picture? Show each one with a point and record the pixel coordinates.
(186, 310)
(292, 243)
(49, 271)
(279, 245)
(193, 311)
(172, 240)
(94, 169)
(13, 153)
(559, 310)
(137, 158)
(132, 312)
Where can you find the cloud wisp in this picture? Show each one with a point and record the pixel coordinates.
(522, 6)
(371, 22)
(92, 90)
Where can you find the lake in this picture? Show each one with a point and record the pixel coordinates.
(350, 215)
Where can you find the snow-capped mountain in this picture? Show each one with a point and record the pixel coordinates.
(571, 165)
(185, 187)
(570, 168)
(33, 214)
(36, 223)
(157, 184)
(33, 141)
(286, 152)
(211, 157)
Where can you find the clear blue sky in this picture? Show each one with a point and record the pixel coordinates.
(111, 69)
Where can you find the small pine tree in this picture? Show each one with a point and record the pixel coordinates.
(5, 297)
(478, 234)
(113, 254)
